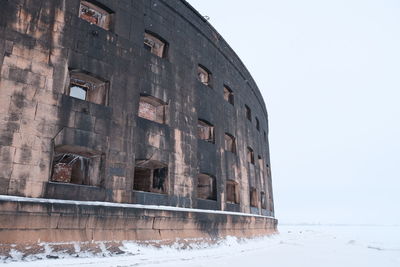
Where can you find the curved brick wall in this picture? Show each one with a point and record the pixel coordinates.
(46, 48)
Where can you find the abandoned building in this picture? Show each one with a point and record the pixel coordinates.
(109, 104)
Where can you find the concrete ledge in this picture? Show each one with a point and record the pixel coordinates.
(33, 220)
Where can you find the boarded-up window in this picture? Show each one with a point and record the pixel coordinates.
(253, 197)
(206, 187)
(205, 131)
(228, 95)
(257, 124)
(87, 87)
(153, 109)
(95, 14)
(155, 45)
(248, 112)
(82, 169)
(204, 75)
(230, 144)
(263, 201)
(232, 192)
(150, 176)
(250, 155)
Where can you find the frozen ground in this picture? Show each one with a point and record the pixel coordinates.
(299, 245)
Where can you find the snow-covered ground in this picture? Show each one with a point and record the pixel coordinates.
(296, 245)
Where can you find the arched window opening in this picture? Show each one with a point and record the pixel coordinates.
(250, 155)
(263, 200)
(268, 171)
(248, 112)
(204, 75)
(232, 192)
(205, 131)
(253, 197)
(206, 187)
(76, 166)
(155, 44)
(152, 109)
(228, 95)
(150, 176)
(95, 14)
(257, 124)
(230, 143)
(87, 87)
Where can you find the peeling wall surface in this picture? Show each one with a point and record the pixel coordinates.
(71, 87)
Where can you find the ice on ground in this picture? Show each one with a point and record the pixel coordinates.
(296, 245)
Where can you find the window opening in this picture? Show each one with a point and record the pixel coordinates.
(204, 76)
(260, 162)
(153, 109)
(228, 95)
(205, 131)
(250, 155)
(150, 176)
(86, 87)
(76, 169)
(230, 144)
(232, 193)
(263, 201)
(253, 197)
(206, 187)
(154, 44)
(248, 112)
(268, 171)
(95, 14)
(257, 124)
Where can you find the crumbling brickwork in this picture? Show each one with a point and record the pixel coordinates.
(73, 74)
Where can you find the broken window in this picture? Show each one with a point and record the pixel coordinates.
(250, 155)
(257, 124)
(230, 144)
(95, 14)
(152, 108)
(263, 201)
(82, 169)
(206, 187)
(204, 75)
(86, 87)
(150, 176)
(205, 131)
(248, 112)
(253, 197)
(155, 45)
(232, 192)
(228, 95)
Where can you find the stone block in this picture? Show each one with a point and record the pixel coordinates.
(6, 169)
(7, 154)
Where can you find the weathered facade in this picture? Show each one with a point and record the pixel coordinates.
(129, 101)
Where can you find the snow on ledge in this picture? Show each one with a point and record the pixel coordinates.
(122, 205)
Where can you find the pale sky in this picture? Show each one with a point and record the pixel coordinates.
(329, 72)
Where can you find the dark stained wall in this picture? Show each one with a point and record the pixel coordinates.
(41, 41)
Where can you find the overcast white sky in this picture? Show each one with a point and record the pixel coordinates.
(329, 72)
